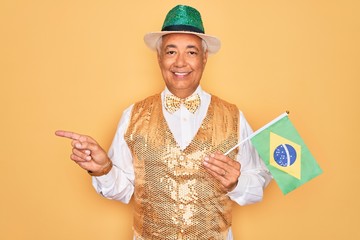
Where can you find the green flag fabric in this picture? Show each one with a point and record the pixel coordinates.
(285, 154)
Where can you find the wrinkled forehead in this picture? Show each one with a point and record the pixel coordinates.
(181, 40)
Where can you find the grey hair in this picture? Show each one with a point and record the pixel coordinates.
(159, 43)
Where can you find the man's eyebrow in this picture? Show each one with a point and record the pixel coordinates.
(170, 46)
(192, 46)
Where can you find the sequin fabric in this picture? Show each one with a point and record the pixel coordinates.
(175, 197)
(184, 15)
(173, 103)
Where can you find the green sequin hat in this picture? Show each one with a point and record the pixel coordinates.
(183, 19)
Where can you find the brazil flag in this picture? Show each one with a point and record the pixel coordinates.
(285, 154)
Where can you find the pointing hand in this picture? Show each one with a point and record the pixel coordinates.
(87, 153)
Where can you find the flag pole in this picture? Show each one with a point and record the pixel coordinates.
(258, 131)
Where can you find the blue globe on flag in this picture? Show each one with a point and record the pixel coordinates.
(285, 155)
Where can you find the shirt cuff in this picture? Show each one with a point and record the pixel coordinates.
(105, 181)
(248, 190)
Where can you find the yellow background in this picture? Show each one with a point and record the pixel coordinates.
(76, 65)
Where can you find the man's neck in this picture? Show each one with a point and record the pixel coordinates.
(183, 93)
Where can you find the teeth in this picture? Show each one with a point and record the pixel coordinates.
(180, 74)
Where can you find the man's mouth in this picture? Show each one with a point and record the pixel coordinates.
(181, 73)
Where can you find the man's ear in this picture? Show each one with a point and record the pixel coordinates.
(206, 54)
(158, 56)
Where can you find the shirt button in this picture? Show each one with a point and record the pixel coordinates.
(179, 236)
(182, 158)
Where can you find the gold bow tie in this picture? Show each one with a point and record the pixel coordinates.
(173, 103)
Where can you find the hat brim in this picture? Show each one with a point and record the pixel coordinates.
(213, 43)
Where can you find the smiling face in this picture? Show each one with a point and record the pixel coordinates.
(182, 61)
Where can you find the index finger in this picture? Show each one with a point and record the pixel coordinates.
(221, 157)
(75, 136)
(67, 134)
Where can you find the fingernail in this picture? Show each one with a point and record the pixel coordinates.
(87, 152)
(78, 145)
(88, 158)
(212, 155)
(206, 159)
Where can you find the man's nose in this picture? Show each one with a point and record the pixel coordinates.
(180, 60)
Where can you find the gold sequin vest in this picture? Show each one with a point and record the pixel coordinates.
(175, 197)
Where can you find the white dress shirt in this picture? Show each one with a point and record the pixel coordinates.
(118, 184)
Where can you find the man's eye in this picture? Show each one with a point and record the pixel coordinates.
(170, 52)
(192, 53)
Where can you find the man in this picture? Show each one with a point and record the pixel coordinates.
(168, 149)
